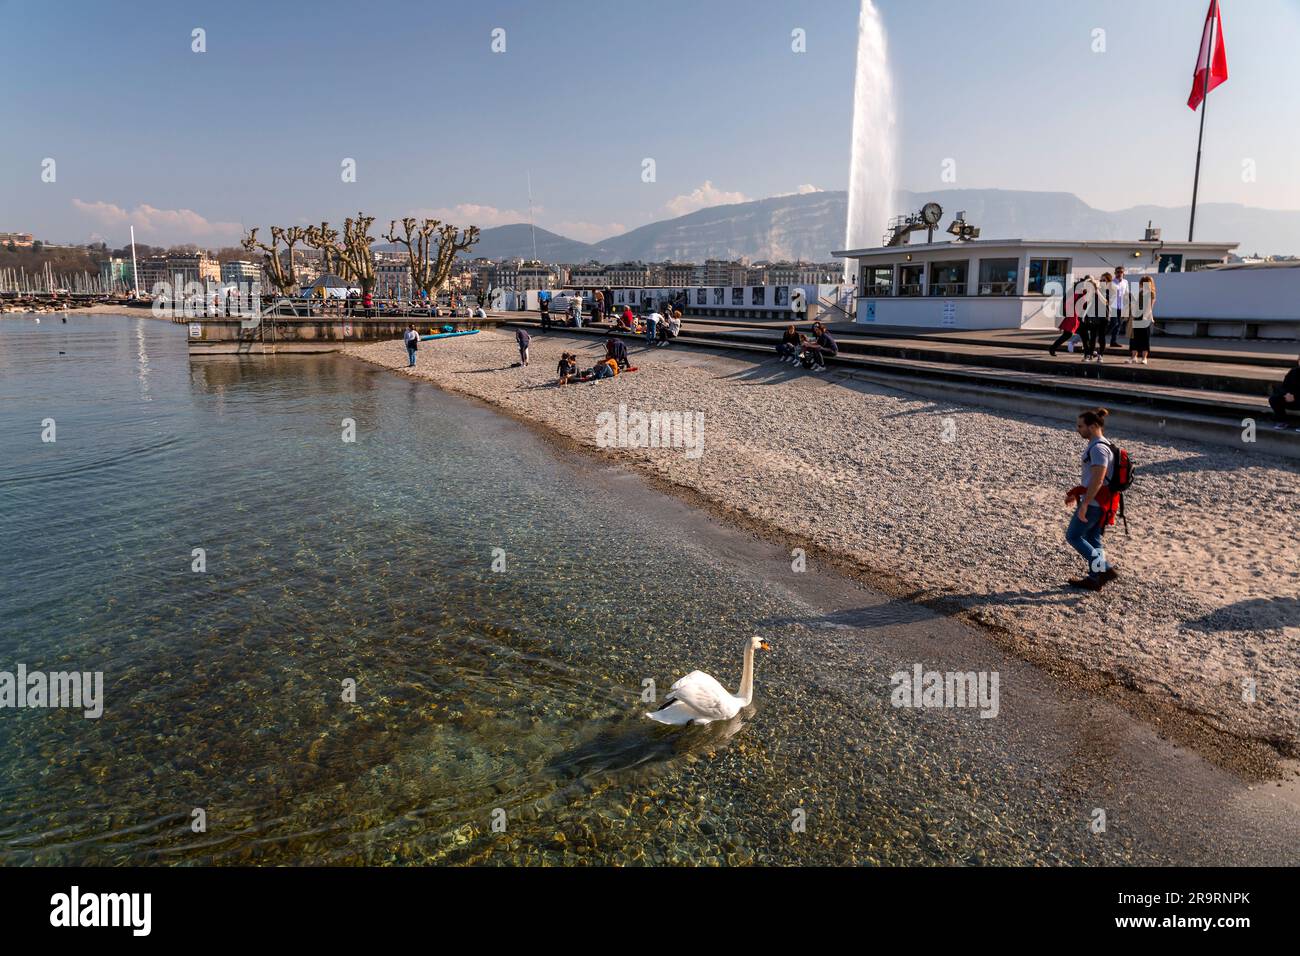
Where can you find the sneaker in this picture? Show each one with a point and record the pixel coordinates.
(1144, 361)
(1087, 584)
(1098, 359)
(1052, 352)
(1110, 574)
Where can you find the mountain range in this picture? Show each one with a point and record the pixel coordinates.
(808, 226)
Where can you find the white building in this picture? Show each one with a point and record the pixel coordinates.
(1002, 283)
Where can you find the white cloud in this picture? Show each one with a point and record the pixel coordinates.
(803, 190)
(474, 214)
(703, 197)
(588, 231)
(164, 225)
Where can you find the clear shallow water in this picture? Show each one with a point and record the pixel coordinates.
(476, 691)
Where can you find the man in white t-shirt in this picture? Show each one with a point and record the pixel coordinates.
(1119, 305)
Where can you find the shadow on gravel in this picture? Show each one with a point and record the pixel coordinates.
(1250, 615)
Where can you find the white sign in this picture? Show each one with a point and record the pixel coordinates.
(196, 330)
(949, 313)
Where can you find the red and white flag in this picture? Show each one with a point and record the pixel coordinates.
(1217, 66)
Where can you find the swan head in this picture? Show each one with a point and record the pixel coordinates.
(758, 644)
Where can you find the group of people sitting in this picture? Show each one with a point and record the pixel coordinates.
(615, 361)
(795, 348)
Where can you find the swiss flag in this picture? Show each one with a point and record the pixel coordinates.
(1218, 66)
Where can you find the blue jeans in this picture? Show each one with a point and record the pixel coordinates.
(410, 352)
(787, 350)
(1085, 537)
(651, 326)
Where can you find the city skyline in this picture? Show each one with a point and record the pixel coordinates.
(577, 105)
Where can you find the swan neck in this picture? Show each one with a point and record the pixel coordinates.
(747, 675)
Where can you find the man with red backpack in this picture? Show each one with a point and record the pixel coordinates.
(1107, 473)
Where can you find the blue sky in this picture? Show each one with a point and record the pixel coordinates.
(193, 146)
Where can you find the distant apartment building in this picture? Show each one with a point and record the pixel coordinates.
(535, 275)
(589, 276)
(721, 272)
(803, 273)
(393, 279)
(238, 271)
(679, 275)
(19, 240)
(178, 270)
(628, 275)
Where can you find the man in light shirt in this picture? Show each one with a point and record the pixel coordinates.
(1119, 305)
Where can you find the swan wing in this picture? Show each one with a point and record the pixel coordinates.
(704, 695)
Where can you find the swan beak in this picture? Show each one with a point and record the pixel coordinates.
(763, 645)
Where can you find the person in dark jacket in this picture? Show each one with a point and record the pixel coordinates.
(821, 346)
(522, 340)
(791, 345)
(616, 350)
(1285, 399)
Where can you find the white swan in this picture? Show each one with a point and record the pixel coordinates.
(699, 699)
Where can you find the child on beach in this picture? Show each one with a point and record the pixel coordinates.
(568, 368)
(521, 337)
(791, 345)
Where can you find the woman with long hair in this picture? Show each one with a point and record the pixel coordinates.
(1143, 318)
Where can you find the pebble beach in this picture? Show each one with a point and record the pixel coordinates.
(961, 508)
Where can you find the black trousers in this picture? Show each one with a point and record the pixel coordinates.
(1281, 407)
(1064, 337)
(1094, 337)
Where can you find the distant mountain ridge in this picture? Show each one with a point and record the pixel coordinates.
(809, 225)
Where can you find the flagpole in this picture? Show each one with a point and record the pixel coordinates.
(1205, 100)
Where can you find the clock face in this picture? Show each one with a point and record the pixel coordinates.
(932, 212)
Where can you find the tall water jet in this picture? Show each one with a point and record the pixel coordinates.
(873, 172)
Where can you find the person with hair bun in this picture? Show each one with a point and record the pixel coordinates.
(1093, 501)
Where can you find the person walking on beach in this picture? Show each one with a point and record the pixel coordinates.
(1139, 324)
(1118, 305)
(412, 339)
(522, 339)
(1285, 399)
(1093, 502)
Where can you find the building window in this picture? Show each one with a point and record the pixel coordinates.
(910, 278)
(1045, 273)
(1196, 265)
(757, 295)
(878, 280)
(948, 278)
(998, 276)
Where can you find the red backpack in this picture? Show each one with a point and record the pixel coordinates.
(1121, 477)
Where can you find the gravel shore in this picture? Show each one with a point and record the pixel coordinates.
(961, 508)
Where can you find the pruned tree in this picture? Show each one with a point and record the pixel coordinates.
(431, 249)
(273, 260)
(326, 241)
(357, 256)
